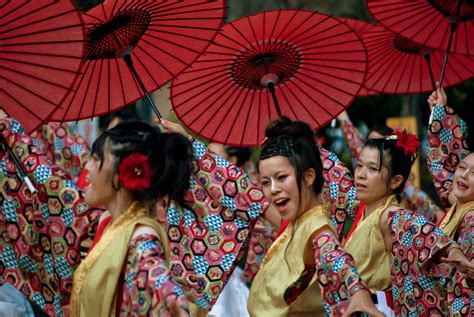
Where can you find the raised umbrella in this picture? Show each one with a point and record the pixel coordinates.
(398, 65)
(134, 47)
(300, 64)
(439, 24)
(41, 49)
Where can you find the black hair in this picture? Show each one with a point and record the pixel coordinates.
(170, 156)
(125, 114)
(383, 130)
(241, 153)
(294, 139)
(394, 158)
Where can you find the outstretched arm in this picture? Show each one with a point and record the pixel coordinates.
(446, 147)
(354, 139)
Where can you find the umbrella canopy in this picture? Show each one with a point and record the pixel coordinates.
(135, 47)
(398, 65)
(41, 48)
(315, 65)
(428, 22)
(360, 27)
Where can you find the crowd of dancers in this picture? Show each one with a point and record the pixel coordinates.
(148, 221)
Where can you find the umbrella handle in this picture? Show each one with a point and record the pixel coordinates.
(454, 25)
(271, 88)
(20, 169)
(127, 57)
(428, 61)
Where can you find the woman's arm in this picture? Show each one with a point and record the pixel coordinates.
(354, 139)
(446, 147)
(148, 288)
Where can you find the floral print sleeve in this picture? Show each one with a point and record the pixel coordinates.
(205, 242)
(446, 147)
(339, 191)
(335, 271)
(41, 233)
(416, 271)
(419, 201)
(63, 146)
(466, 236)
(354, 140)
(148, 285)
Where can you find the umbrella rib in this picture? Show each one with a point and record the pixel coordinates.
(218, 97)
(122, 87)
(38, 65)
(27, 15)
(40, 32)
(147, 70)
(169, 42)
(156, 60)
(79, 85)
(376, 70)
(282, 91)
(108, 84)
(309, 28)
(239, 91)
(35, 77)
(334, 87)
(22, 105)
(176, 84)
(192, 27)
(251, 46)
(259, 49)
(96, 91)
(268, 45)
(315, 101)
(30, 91)
(183, 35)
(193, 88)
(174, 43)
(347, 80)
(248, 113)
(278, 37)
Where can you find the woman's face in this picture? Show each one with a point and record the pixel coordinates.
(279, 183)
(371, 183)
(463, 185)
(100, 190)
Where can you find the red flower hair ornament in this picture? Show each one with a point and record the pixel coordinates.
(407, 141)
(135, 172)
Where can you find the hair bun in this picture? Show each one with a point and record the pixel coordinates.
(285, 126)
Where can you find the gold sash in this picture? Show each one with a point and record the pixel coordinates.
(283, 265)
(95, 282)
(454, 218)
(367, 247)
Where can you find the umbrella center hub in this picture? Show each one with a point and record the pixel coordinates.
(123, 30)
(405, 45)
(448, 8)
(279, 58)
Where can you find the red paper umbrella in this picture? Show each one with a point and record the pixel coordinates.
(441, 24)
(41, 48)
(360, 27)
(300, 64)
(400, 66)
(134, 48)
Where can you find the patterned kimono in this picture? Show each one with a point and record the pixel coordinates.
(40, 240)
(412, 197)
(446, 148)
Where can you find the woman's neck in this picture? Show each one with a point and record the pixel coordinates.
(372, 206)
(314, 201)
(119, 205)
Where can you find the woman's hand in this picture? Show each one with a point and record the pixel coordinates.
(171, 127)
(457, 258)
(437, 97)
(362, 302)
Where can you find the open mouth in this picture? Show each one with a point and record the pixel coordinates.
(462, 186)
(281, 202)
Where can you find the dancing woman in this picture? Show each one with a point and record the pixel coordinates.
(452, 168)
(413, 198)
(290, 171)
(397, 251)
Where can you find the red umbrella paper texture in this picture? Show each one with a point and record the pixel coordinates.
(360, 27)
(159, 39)
(41, 49)
(398, 65)
(428, 22)
(315, 65)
